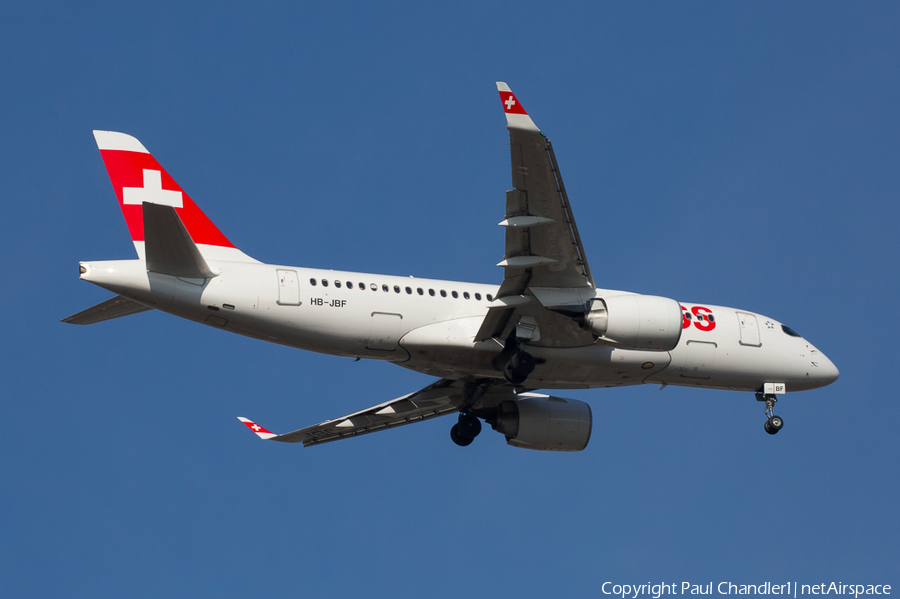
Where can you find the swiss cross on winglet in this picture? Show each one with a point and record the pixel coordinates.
(260, 431)
(510, 104)
(516, 117)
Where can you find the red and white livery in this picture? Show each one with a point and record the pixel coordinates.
(490, 347)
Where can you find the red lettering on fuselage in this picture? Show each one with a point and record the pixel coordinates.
(702, 317)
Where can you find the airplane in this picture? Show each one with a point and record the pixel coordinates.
(492, 347)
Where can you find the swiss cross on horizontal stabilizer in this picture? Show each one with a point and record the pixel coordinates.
(152, 192)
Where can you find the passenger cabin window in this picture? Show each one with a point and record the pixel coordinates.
(466, 294)
(478, 296)
(324, 283)
(349, 285)
(490, 298)
(443, 293)
(396, 288)
(409, 290)
(337, 284)
(385, 288)
(362, 286)
(419, 291)
(431, 292)
(790, 331)
(374, 287)
(454, 294)
(312, 282)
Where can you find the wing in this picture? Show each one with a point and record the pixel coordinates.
(438, 399)
(545, 267)
(443, 397)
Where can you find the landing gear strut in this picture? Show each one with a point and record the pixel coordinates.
(773, 423)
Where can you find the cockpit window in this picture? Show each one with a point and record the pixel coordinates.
(790, 331)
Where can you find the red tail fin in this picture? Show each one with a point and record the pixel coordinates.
(137, 177)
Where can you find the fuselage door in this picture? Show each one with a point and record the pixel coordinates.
(288, 288)
(749, 329)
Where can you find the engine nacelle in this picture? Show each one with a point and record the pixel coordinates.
(544, 423)
(636, 321)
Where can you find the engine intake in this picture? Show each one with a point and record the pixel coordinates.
(544, 423)
(630, 321)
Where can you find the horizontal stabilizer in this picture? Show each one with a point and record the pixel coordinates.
(112, 308)
(169, 248)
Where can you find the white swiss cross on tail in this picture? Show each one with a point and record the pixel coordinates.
(152, 192)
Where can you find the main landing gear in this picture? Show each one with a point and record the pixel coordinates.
(774, 423)
(520, 365)
(469, 426)
(514, 362)
(465, 430)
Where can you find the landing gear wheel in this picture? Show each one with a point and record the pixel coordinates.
(465, 430)
(774, 424)
(520, 365)
(460, 440)
(469, 425)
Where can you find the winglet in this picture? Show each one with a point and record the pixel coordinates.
(516, 117)
(260, 431)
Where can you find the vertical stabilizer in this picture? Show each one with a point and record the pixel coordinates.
(138, 178)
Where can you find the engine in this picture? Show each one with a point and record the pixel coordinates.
(544, 423)
(636, 321)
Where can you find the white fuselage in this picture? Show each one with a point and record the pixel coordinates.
(429, 326)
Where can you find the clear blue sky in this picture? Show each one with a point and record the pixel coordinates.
(740, 154)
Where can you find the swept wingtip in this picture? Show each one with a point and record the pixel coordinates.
(260, 432)
(516, 117)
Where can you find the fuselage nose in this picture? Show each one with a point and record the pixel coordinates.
(827, 372)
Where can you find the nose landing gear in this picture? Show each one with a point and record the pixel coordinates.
(774, 423)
